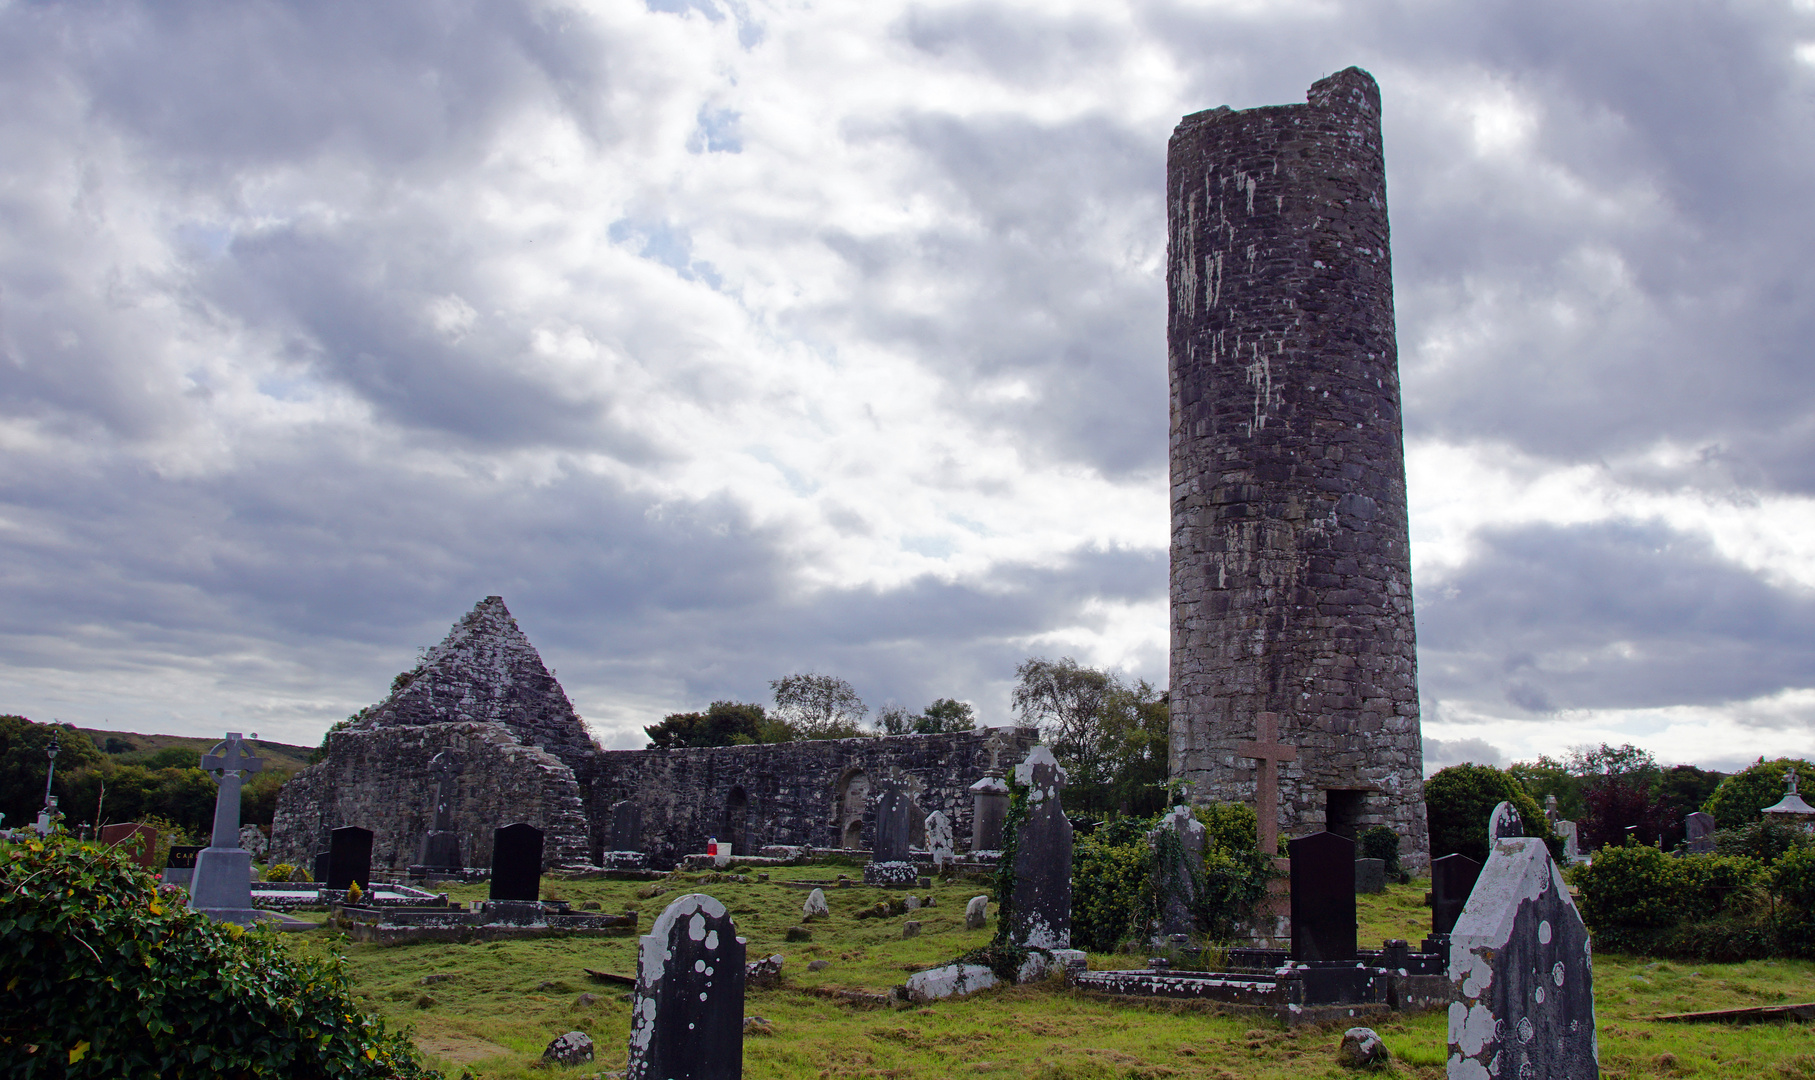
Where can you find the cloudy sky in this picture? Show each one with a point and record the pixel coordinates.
(729, 339)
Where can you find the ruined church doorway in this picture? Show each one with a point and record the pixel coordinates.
(853, 798)
(737, 821)
(1342, 812)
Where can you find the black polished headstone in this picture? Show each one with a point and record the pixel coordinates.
(1039, 915)
(894, 824)
(1452, 879)
(517, 863)
(626, 827)
(349, 857)
(182, 858)
(1323, 898)
(687, 1017)
(319, 867)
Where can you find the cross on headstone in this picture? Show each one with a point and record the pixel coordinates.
(221, 886)
(994, 745)
(224, 764)
(1267, 752)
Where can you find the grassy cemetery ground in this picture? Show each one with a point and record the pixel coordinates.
(487, 1010)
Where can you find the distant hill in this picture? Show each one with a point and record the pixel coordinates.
(131, 748)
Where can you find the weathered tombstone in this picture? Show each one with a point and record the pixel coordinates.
(1323, 898)
(440, 849)
(1522, 973)
(1566, 832)
(1040, 909)
(687, 1018)
(221, 887)
(976, 913)
(138, 840)
(1504, 822)
(1700, 828)
(349, 857)
(179, 866)
(1178, 867)
(517, 863)
(815, 907)
(319, 866)
(989, 801)
(626, 826)
(893, 825)
(1370, 875)
(1551, 813)
(1452, 879)
(939, 838)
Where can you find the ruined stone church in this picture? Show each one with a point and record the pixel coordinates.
(1294, 679)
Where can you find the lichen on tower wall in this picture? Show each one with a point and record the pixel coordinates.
(1291, 575)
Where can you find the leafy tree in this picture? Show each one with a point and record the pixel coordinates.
(1740, 797)
(1112, 737)
(819, 706)
(724, 723)
(943, 715)
(1622, 805)
(136, 793)
(1459, 800)
(1547, 776)
(1682, 790)
(24, 761)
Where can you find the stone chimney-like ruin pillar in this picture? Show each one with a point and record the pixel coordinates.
(1291, 572)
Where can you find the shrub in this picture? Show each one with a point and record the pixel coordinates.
(1740, 797)
(1793, 879)
(280, 872)
(108, 977)
(1111, 899)
(1634, 886)
(1458, 801)
(1764, 841)
(1114, 894)
(1382, 843)
(1710, 885)
(1229, 826)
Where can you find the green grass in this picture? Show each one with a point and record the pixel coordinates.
(508, 999)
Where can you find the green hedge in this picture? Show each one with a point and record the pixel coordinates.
(1459, 800)
(1637, 899)
(106, 976)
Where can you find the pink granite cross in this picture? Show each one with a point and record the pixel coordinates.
(1267, 752)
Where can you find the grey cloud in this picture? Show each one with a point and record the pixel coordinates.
(1442, 753)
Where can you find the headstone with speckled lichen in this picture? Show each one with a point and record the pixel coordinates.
(687, 1016)
(1039, 913)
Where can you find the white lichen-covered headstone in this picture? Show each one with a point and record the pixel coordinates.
(815, 907)
(687, 1018)
(1522, 974)
(1039, 912)
(939, 838)
(976, 913)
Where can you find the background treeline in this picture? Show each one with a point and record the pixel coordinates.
(162, 785)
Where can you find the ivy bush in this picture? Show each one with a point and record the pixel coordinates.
(107, 976)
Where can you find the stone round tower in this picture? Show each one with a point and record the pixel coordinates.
(1291, 572)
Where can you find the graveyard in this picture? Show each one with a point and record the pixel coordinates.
(489, 1009)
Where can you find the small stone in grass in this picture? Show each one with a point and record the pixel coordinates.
(1362, 1049)
(573, 1048)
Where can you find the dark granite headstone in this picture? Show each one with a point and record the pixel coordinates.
(1452, 879)
(319, 867)
(1700, 829)
(626, 827)
(1370, 875)
(687, 1018)
(1177, 868)
(182, 858)
(1040, 911)
(1521, 973)
(137, 840)
(894, 824)
(517, 862)
(1323, 897)
(349, 857)
(1505, 822)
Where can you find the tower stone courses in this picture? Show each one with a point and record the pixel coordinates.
(1291, 579)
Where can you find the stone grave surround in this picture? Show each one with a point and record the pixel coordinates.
(687, 1014)
(1522, 970)
(1291, 576)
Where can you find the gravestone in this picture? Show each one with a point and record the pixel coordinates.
(1040, 908)
(989, 801)
(1566, 832)
(939, 838)
(626, 827)
(139, 841)
(893, 824)
(1504, 822)
(179, 865)
(1268, 753)
(1178, 867)
(1700, 828)
(1452, 879)
(815, 907)
(440, 849)
(976, 913)
(1323, 898)
(687, 1017)
(1370, 875)
(517, 863)
(319, 866)
(349, 857)
(1522, 973)
(221, 887)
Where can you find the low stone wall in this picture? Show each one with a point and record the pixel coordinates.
(799, 793)
(380, 780)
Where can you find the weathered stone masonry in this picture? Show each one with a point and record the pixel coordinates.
(1291, 576)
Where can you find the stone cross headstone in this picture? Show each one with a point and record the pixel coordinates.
(517, 863)
(1504, 822)
(687, 1016)
(1551, 813)
(626, 826)
(894, 823)
(349, 857)
(1521, 973)
(221, 887)
(1268, 753)
(1040, 908)
(139, 841)
(1700, 828)
(1323, 898)
(1177, 870)
(939, 838)
(441, 846)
